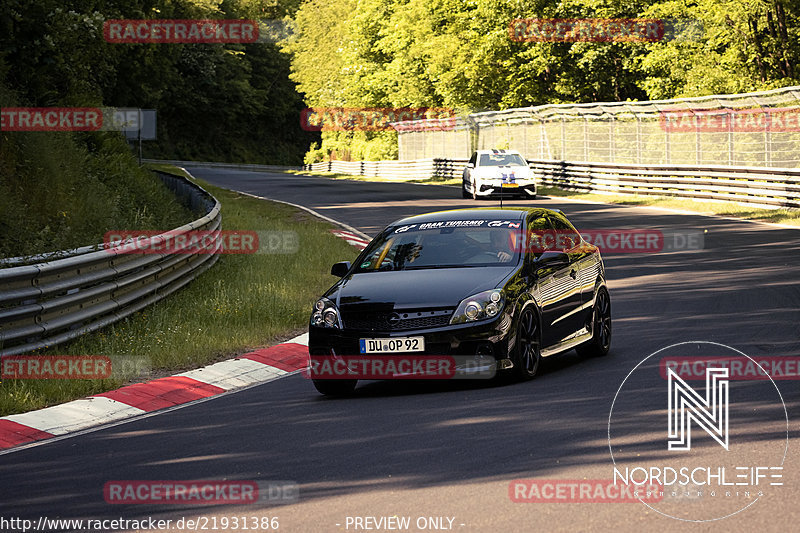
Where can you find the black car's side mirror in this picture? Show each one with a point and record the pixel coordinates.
(551, 259)
(470, 165)
(340, 269)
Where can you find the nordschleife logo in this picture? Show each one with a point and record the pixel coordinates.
(689, 420)
(685, 405)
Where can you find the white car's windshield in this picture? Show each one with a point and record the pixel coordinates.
(502, 160)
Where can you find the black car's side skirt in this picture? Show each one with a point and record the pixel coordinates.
(580, 337)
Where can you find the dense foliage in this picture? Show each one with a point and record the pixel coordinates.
(238, 102)
(222, 102)
(458, 53)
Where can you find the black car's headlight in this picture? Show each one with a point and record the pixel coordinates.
(486, 304)
(325, 314)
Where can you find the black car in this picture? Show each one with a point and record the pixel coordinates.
(507, 285)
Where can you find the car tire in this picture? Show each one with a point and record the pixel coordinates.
(464, 191)
(600, 342)
(335, 387)
(528, 349)
(474, 190)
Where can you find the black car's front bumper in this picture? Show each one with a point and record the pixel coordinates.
(475, 347)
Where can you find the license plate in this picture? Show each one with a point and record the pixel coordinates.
(510, 185)
(393, 345)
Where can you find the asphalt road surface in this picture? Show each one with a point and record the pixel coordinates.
(444, 454)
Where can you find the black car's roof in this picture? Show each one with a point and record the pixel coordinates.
(486, 213)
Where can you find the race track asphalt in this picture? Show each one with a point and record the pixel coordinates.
(451, 449)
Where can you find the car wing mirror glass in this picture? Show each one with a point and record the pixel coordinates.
(340, 269)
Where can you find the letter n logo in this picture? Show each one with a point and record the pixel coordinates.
(685, 405)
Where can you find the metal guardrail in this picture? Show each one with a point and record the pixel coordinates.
(392, 170)
(756, 186)
(46, 303)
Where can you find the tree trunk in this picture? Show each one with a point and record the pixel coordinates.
(783, 37)
(753, 23)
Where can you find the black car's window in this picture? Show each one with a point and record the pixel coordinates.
(537, 235)
(497, 160)
(567, 237)
(474, 158)
(445, 244)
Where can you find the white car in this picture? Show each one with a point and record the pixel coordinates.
(497, 172)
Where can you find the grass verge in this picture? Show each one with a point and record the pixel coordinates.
(786, 216)
(242, 303)
(64, 190)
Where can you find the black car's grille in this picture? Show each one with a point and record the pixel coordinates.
(398, 320)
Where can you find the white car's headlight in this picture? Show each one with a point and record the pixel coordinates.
(325, 314)
(486, 304)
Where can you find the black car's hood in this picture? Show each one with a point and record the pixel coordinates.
(444, 287)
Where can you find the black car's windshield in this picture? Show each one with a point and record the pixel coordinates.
(445, 244)
(502, 160)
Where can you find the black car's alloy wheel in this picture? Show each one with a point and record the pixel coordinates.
(529, 349)
(601, 327)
